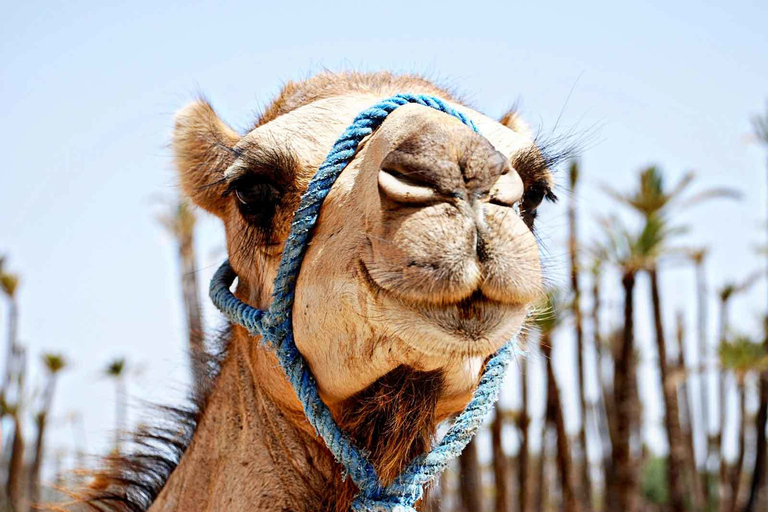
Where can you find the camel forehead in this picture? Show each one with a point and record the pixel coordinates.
(311, 130)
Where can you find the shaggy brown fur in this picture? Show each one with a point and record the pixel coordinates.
(395, 420)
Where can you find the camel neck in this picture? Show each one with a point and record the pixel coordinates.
(252, 450)
(255, 451)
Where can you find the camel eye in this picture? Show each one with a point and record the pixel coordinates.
(533, 197)
(255, 195)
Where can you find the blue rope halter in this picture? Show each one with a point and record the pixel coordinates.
(275, 327)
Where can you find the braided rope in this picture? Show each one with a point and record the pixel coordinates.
(275, 328)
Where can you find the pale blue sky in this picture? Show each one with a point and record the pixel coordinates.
(89, 89)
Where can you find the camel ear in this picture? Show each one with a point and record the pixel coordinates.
(202, 145)
(514, 122)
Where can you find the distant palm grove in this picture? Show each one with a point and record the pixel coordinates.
(539, 456)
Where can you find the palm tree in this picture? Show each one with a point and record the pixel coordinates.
(523, 423)
(760, 127)
(54, 364)
(75, 420)
(500, 463)
(653, 201)
(10, 284)
(432, 498)
(651, 198)
(681, 373)
(573, 251)
(471, 485)
(116, 370)
(605, 402)
(547, 318)
(180, 221)
(677, 453)
(542, 497)
(741, 356)
(15, 368)
(630, 254)
(14, 483)
(699, 257)
(726, 294)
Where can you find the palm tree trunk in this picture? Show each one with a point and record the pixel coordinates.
(10, 357)
(627, 481)
(675, 465)
(79, 444)
(437, 494)
(736, 475)
(37, 462)
(34, 472)
(573, 247)
(724, 484)
(687, 419)
(432, 499)
(542, 490)
(445, 488)
(606, 421)
(608, 441)
(705, 420)
(470, 489)
(191, 297)
(759, 473)
(121, 411)
(756, 489)
(522, 456)
(500, 463)
(15, 483)
(555, 413)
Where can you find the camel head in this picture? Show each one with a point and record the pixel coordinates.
(423, 255)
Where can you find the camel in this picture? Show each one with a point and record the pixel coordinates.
(423, 264)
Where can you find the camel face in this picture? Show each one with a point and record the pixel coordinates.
(421, 255)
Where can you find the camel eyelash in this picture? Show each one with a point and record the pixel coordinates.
(536, 163)
(276, 166)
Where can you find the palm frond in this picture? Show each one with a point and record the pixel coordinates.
(682, 185)
(179, 218)
(573, 174)
(54, 363)
(728, 290)
(115, 368)
(760, 126)
(9, 283)
(708, 195)
(651, 197)
(743, 355)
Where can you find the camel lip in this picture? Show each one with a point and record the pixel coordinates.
(474, 325)
(467, 307)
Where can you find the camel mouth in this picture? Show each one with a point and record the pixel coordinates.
(476, 317)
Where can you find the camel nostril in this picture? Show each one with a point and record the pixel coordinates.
(399, 188)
